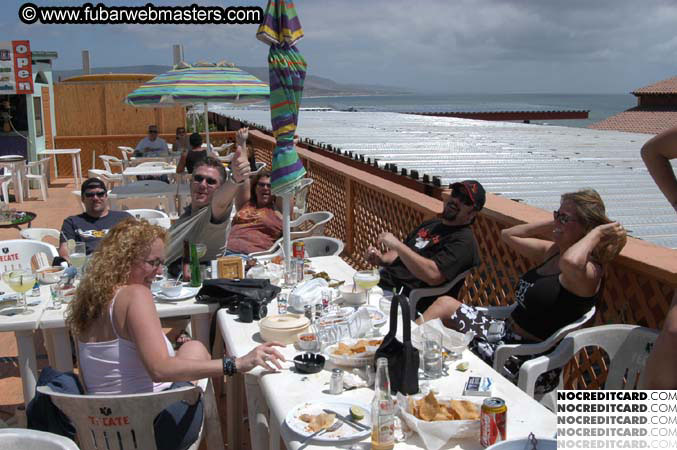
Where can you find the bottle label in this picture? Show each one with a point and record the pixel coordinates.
(385, 422)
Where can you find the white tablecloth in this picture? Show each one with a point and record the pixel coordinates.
(270, 396)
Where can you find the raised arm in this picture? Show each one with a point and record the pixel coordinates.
(181, 165)
(522, 238)
(657, 153)
(224, 196)
(243, 194)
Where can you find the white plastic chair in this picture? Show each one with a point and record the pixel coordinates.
(88, 413)
(5, 179)
(301, 197)
(313, 245)
(505, 351)
(416, 294)
(22, 438)
(110, 179)
(24, 249)
(38, 234)
(319, 219)
(628, 348)
(154, 216)
(42, 167)
(127, 152)
(109, 162)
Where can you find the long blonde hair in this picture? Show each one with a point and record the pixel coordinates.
(592, 213)
(109, 268)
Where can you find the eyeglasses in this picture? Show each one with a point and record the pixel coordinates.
(157, 262)
(100, 194)
(200, 178)
(152, 131)
(263, 185)
(562, 218)
(462, 196)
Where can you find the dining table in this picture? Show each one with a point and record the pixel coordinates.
(75, 161)
(17, 166)
(270, 396)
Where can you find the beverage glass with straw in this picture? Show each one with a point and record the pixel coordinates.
(78, 255)
(20, 281)
(367, 279)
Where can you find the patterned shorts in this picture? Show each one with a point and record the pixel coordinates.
(468, 318)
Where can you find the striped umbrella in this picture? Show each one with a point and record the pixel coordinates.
(281, 29)
(202, 83)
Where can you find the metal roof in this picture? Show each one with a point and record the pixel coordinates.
(530, 163)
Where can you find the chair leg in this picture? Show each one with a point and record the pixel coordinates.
(43, 188)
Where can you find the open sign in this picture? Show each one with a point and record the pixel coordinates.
(23, 70)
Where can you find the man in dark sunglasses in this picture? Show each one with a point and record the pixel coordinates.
(93, 224)
(152, 145)
(207, 218)
(435, 252)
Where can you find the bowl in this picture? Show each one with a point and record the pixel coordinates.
(350, 297)
(50, 275)
(309, 362)
(307, 342)
(156, 286)
(283, 328)
(171, 288)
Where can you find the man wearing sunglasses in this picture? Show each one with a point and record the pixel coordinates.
(152, 145)
(435, 252)
(93, 224)
(207, 218)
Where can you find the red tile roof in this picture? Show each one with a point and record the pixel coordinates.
(668, 86)
(640, 120)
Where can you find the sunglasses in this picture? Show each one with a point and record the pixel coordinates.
(157, 262)
(100, 194)
(462, 196)
(264, 185)
(562, 218)
(200, 178)
(152, 131)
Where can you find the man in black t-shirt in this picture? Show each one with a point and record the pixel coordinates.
(93, 224)
(435, 252)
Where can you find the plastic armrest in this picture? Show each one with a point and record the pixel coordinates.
(532, 369)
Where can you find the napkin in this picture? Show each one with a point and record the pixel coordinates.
(307, 293)
(450, 338)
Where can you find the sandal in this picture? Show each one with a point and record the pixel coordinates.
(181, 339)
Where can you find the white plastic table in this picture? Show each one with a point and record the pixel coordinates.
(17, 167)
(149, 170)
(75, 160)
(270, 396)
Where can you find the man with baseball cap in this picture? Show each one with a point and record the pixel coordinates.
(93, 224)
(435, 252)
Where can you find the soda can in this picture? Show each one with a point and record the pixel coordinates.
(493, 421)
(298, 251)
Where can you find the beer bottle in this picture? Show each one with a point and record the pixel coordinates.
(382, 410)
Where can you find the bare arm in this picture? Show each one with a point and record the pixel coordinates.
(657, 153)
(521, 238)
(63, 251)
(579, 274)
(181, 165)
(224, 196)
(422, 268)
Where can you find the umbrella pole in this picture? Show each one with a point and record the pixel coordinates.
(206, 115)
(286, 242)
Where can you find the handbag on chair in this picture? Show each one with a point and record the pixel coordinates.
(403, 358)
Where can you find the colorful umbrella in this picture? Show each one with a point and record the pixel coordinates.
(281, 29)
(202, 83)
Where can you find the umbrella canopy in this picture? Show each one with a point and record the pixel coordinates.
(201, 83)
(281, 29)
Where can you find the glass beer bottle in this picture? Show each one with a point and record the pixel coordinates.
(382, 410)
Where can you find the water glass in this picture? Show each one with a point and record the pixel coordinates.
(56, 294)
(432, 354)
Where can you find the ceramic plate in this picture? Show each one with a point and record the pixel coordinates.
(344, 433)
(187, 293)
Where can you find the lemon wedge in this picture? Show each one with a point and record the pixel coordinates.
(70, 244)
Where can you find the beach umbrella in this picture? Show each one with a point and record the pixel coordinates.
(281, 30)
(202, 83)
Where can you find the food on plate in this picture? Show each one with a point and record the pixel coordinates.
(277, 259)
(324, 275)
(431, 409)
(357, 413)
(307, 337)
(317, 422)
(357, 348)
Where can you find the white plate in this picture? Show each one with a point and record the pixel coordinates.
(187, 292)
(344, 433)
(378, 317)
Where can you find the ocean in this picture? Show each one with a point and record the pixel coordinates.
(600, 106)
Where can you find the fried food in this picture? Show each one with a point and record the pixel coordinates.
(318, 422)
(355, 349)
(431, 409)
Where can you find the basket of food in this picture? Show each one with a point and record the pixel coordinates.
(353, 353)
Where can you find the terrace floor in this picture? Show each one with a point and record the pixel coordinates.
(50, 214)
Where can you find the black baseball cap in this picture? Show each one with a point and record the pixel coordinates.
(474, 190)
(92, 183)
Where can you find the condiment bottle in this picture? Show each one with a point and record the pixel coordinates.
(382, 410)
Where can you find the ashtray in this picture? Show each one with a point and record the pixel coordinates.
(309, 362)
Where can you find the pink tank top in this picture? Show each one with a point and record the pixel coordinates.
(114, 367)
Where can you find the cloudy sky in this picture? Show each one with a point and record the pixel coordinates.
(456, 46)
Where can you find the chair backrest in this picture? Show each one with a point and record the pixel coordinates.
(38, 234)
(111, 161)
(118, 421)
(154, 216)
(152, 164)
(42, 166)
(14, 438)
(318, 219)
(17, 253)
(321, 246)
(127, 152)
(301, 197)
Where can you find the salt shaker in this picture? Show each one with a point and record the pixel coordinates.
(336, 382)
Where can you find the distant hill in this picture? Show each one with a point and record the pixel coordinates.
(314, 85)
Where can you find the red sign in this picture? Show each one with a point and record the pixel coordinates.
(23, 70)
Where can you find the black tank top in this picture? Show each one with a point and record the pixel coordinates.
(192, 157)
(544, 305)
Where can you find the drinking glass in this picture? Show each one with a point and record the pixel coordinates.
(367, 279)
(201, 250)
(21, 281)
(56, 291)
(432, 354)
(78, 256)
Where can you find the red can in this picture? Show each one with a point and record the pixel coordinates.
(493, 421)
(298, 250)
